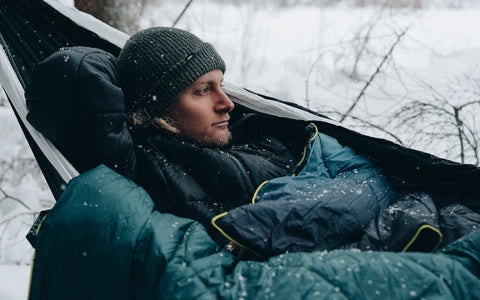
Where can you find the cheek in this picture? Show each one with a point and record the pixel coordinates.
(181, 114)
(197, 114)
(191, 116)
(191, 120)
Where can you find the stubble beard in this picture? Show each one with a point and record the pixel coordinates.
(223, 142)
(218, 142)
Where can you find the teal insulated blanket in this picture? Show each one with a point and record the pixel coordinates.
(104, 240)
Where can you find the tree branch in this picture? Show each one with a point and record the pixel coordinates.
(182, 13)
(370, 80)
(14, 198)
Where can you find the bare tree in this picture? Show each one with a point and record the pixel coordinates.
(121, 14)
(449, 120)
(415, 114)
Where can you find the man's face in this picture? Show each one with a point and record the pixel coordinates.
(200, 112)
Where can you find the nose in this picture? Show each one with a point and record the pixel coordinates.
(223, 103)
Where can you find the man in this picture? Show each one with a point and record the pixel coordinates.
(179, 118)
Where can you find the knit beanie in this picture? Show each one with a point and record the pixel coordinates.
(158, 63)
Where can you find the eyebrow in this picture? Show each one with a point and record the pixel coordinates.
(208, 81)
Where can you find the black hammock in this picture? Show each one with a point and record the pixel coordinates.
(32, 30)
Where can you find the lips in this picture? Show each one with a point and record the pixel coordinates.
(221, 123)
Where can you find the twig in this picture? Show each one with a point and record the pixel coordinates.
(182, 13)
(370, 80)
(380, 128)
(364, 41)
(307, 81)
(458, 123)
(14, 198)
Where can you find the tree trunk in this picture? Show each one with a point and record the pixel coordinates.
(121, 14)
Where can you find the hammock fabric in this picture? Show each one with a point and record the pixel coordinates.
(31, 30)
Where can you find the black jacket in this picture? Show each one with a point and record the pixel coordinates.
(200, 182)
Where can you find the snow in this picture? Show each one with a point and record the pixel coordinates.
(14, 282)
(276, 51)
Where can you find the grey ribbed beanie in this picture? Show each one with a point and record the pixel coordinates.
(156, 64)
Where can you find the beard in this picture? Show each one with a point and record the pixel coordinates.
(200, 140)
(224, 141)
(220, 142)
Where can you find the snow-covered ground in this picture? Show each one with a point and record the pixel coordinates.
(14, 282)
(302, 54)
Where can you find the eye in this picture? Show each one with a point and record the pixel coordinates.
(201, 91)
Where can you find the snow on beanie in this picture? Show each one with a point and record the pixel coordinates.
(158, 63)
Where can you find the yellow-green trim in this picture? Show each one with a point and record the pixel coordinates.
(305, 150)
(420, 229)
(303, 158)
(316, 132)
(214, 219)
(258, 190)
(33, 259)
